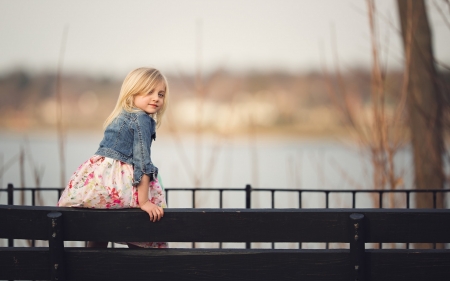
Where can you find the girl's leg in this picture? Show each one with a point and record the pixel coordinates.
(96, 244)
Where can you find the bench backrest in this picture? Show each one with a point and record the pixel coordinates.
(354, 226)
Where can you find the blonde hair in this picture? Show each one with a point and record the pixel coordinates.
(138, 82)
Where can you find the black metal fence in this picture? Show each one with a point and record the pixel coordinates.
(327, 192)
(408, 194)
(248, 191)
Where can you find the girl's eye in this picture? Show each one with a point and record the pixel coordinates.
(161, 95)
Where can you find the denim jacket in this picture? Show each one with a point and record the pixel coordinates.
(128, 138)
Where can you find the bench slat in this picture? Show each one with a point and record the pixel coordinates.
(184, 264)
(209, 265)
(408, 265)
(24, 264)
(237, 264)
(228, 225)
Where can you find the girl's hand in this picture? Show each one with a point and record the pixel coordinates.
(155, 212)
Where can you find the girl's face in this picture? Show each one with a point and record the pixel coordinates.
(152, 101)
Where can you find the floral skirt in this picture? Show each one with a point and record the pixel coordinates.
(106, 183)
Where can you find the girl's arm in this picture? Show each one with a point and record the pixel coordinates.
(155, 212)
(143, 128)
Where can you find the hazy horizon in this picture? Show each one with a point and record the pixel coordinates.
(109, 38)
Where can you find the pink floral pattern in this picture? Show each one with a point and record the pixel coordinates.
(106, 183)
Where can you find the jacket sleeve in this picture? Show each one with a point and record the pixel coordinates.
(144, 131)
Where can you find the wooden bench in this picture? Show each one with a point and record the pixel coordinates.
(353, 226)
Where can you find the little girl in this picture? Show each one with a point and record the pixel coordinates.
(121, 173)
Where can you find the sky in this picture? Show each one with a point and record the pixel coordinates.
(110, 38)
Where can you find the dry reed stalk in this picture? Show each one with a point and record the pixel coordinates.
(22, 181)
(441, 12)
(201, 90)
(252, 142)
(59, 110)
(2, 159)
(379, 134)
(181, 151)
(290, 171)
(299, 169)
(204, 176)
(319, 162)
(345, 176)
(228, 172)
(5, 166)
(386, 141)
(199, 173)
(22, 174)
(225, 135)
(216, 149)
(38, 172)
(200, 95)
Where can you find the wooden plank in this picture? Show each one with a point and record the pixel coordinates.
(178, 225)
(202, 264)
(179, 264)
(24, 264)
(407, 226)
(408, 265)
(229, 225)
(226, 264)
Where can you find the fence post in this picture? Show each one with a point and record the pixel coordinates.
(248, 196)
(248, 205)
(10, 202)
(10, 194)
(56, 246)
(357, 246)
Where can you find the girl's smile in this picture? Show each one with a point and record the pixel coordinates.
(151, 102)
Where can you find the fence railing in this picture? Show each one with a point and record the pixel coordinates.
(248, 191)
(327, 192)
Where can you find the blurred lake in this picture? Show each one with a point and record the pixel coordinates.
(263, 162)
